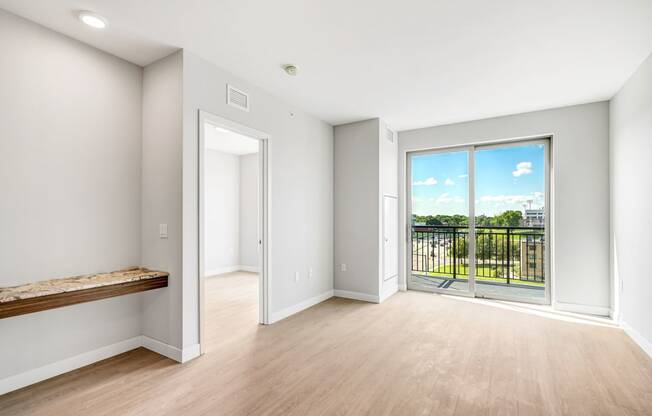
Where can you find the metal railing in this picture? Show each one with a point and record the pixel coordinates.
(503, 254)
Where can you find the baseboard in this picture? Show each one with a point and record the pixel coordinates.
(21, 380)
(230, 269)
(29, 377)
(388, 290)
(221, 270)
(645, 344)
(365, 297)
(585, 309)
(162, 348)
(190, 353)
(284, 313)
(402, 287)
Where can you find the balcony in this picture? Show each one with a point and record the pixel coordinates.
(510, 261)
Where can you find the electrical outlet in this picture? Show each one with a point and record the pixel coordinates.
(343, 267)
(296, 277)
(310, 273)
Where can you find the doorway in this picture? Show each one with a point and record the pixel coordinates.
(233, 222)
(479, 221)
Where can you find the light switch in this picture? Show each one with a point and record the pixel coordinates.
(163, 230)
(343, 267)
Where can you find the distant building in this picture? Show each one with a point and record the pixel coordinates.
(534, 218)
(532, 260)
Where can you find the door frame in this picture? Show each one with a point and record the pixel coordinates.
(547, 141)
(264, 216)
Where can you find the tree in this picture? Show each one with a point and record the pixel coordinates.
(509, 218)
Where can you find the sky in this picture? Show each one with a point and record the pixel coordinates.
(506, 179)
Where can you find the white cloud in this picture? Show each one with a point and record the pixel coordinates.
(512, 199)
(445, 198)
(428, 182)
(522, 168)
(449, 182)
(463, 176)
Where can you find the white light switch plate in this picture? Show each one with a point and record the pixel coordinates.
(163, 230)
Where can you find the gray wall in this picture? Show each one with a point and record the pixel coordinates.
(70, 153)
(302, 188)
(161, 195)
(249, 210)
(580, 211)
(631, 153)
(357, 214)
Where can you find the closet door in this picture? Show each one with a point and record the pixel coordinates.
(390, 237)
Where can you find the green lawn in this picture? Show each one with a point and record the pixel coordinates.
(489, 272)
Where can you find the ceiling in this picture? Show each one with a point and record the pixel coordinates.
(414, 63)
(226, 141)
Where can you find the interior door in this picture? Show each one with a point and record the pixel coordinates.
(390, 237)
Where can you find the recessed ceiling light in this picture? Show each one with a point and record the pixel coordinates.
(93, 20)
(290, 69)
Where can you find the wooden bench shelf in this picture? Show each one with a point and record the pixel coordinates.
(54, 293)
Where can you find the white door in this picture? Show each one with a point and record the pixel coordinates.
(390, 237)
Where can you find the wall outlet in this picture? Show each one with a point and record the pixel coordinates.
(343, 267)
(296, 277)
(163, 231)
(310, 273)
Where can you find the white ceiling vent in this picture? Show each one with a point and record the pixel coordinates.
(237, 98)
(390, 136)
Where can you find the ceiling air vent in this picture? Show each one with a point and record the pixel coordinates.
(390, 136)
(237, 98)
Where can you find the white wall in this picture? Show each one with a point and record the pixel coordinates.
(70, 120)
(161, 196)
(221, 212)
(357, 213)
(301, 153)
(365, 171)
(580, 211)
(631, 153)
(249, 211)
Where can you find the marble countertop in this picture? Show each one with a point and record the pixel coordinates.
(71, 284)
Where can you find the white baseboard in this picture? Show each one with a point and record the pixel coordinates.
(284, 313)
(389, 288)
(585, 309)
(365, 297)
(402, 287)
(35, 375)
(645, 344)
(221, 270)
(230, 269)
(159, 347)
(21, 380)
(190, 353)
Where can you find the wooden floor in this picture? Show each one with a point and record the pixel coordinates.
(415, 354)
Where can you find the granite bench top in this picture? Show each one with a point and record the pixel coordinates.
(75, 283)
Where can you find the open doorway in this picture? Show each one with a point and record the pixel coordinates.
(233, 224)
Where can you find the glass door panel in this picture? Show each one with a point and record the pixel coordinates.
(510, 221)
(439, 224)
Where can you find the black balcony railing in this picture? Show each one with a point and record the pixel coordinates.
(503, 254)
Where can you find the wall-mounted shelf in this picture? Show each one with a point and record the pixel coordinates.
(55, 293)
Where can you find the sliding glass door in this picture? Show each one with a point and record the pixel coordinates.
(439, 224)
(479, 221)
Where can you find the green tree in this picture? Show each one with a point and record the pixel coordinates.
(509, 218)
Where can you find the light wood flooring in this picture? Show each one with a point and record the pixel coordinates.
(415, 354)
